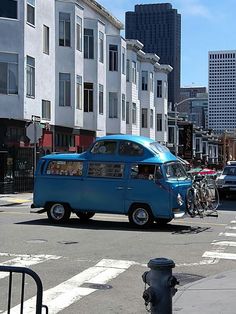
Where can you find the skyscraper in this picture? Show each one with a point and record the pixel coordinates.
(222, 92)
(158, 27)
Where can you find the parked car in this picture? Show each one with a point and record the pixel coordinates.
(226, 182)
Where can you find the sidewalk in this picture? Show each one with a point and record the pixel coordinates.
(14, 199)
(212, 295)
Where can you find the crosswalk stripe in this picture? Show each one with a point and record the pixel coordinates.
(25, 261)
(219, 255)
(70, 291)
(225, 243)
(227, 234)
(230, 227)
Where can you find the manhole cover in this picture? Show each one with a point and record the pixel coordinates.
(36, 241)
(96, 286)
(68, 242)
(184, 278)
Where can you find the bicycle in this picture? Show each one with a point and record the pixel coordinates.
(202, 197)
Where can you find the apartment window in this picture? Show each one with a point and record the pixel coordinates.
(9, 9)
(8, 73)
(101, 97)
(79, 33)
(159, 89)
(64, 89)
(134, 113)
(127, 112)
(127, 70)
(171, 134)
(123, 109)
(30, 76)
(101, 47)
(134, 72)
(123, 60)
(88, 43)
(46, 110)
(144, 117)
(79, 92)
(88, 97)
(46, 39)
(144, 80)
(159, 122)
(31, 12)
(64, 29)
(113, 58)
(151, 118)
(151, 82)
(113, 105)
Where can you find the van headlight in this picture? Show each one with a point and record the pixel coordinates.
(180, 200)
(220, 182)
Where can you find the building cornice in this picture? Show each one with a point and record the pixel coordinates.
(134, 44)
(101, 10)
(165, 68)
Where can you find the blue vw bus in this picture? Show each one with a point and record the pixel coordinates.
(119, 174)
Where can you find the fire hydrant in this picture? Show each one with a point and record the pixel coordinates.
(161, 286)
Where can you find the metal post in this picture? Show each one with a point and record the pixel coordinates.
(35, 146)
(161, 286)
(176, 130)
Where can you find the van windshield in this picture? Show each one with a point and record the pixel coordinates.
(175, 170)
(158, 148)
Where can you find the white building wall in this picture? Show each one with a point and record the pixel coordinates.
(147, 100)
(132, 94)
(65, 63)
(12, 41)
(161, 104)
(116, 83)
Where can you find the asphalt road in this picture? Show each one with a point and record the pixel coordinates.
(96, 267)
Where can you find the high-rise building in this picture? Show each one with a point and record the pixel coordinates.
(158, 27)
(222, 92)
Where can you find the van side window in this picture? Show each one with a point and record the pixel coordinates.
(65, 168)
(129, 148)
(106, 170)
(104, 147)
(142, 171)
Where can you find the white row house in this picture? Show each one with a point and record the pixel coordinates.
(65, 63)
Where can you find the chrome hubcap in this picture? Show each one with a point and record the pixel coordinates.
(57, 211)
(140, 216)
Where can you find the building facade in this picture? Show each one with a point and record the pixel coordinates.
(222, 92)
(67, 76)
(158, 27)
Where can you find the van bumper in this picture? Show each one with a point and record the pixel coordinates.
(179, 215)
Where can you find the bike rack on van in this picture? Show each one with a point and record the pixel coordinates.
(24, 271)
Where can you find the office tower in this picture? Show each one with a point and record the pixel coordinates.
(158, 27)
(222, 92)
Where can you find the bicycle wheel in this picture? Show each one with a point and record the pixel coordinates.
(190, 202)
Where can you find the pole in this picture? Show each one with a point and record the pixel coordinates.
(176, 130)
(35, 146)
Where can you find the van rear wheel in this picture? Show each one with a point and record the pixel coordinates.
(58, 212)
(141, 216)
(84, 216)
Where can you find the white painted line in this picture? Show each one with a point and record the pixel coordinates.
(225, 243)
(233, 222)
(25, 261)
(229, 227)
(203, 262)
(227, 234)
(68, 292)
(220, 255)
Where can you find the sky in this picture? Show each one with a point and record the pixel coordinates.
(206, 25)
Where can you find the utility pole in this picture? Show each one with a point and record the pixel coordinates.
(35, 120)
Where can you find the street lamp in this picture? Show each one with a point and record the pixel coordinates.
(176, 119)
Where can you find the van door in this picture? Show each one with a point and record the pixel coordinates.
(147, 185)
(104, 187)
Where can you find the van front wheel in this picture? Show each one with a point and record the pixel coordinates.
(58, 213)
(85, 216)
(141, 216)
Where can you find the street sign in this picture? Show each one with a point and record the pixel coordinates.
(36, 118)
